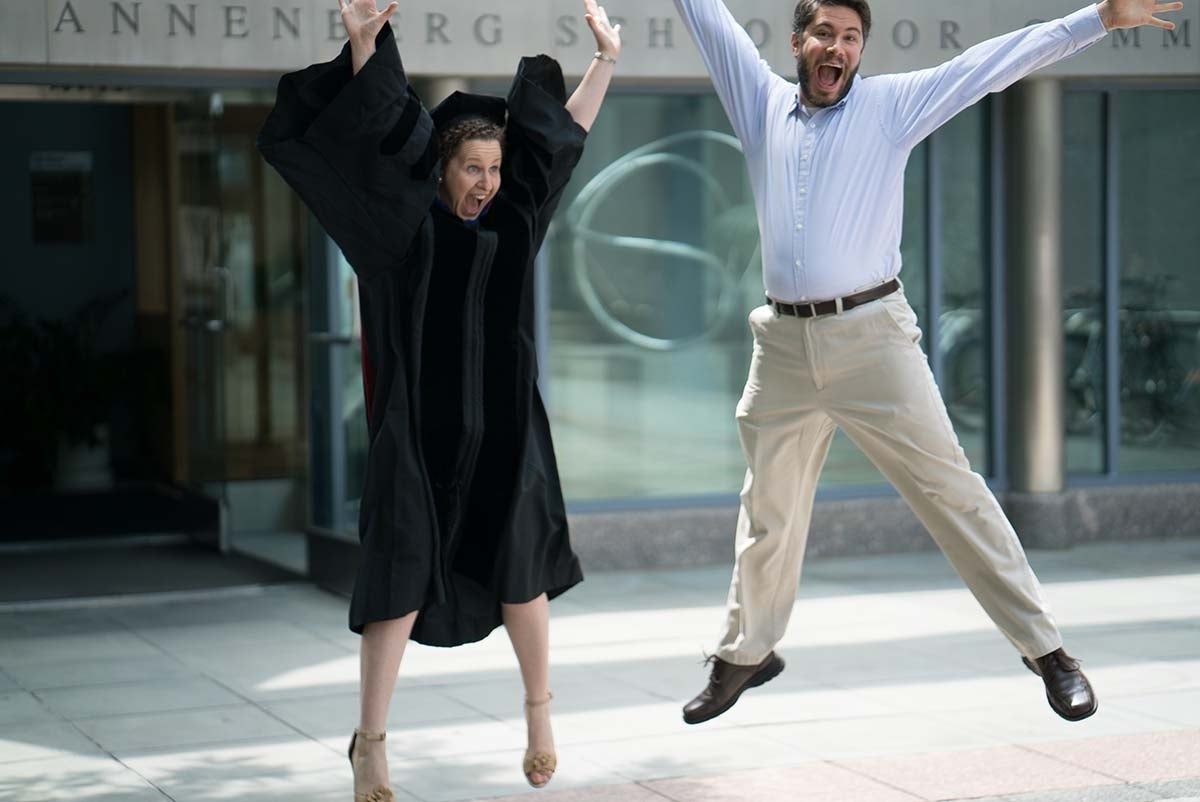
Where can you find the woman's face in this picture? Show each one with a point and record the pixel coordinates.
(471, 178)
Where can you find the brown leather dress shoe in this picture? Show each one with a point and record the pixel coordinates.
(1067, 689)
(726, 683)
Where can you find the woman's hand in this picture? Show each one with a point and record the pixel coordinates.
(608, 36)
(363, 22)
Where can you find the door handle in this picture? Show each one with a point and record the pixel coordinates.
(330, 338)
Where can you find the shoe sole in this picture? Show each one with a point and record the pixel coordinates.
(1050, 699)
(761, 677)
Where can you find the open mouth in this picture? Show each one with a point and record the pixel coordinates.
(473, 205)
(829, 76)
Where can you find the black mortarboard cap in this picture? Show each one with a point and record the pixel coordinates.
(464, 104)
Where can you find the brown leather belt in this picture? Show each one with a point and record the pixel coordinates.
(837, 305)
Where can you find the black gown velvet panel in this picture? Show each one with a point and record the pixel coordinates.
(462, 507)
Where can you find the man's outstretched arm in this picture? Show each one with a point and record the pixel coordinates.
(739, 74)
(921, 102)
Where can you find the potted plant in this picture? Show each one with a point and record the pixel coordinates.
(57, 398)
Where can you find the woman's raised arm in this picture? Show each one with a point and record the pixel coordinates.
(363, 22)
(353, 140)
(584, 103)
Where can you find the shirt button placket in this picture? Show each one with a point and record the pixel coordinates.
(802, 206)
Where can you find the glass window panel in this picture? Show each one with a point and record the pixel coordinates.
(1083, 280)
(964, 230)
(352, 424)
(339, 410)
(653, 267)
(914, 238)
(1159, 133)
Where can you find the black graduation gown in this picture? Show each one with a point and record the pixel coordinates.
(462, 507)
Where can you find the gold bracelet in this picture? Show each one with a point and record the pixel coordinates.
(604, 57)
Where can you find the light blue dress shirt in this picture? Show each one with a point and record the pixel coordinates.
(829, 186)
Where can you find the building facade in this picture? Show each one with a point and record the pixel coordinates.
(1051, 248)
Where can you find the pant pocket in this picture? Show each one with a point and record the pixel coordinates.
(758, 316)
(901, 314)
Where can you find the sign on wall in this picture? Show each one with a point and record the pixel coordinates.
(461, 37)
(61, 197)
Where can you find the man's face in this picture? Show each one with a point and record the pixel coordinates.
(827, 55)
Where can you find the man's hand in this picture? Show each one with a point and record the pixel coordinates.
(1118, 14)
(363, 21)
(608, 36)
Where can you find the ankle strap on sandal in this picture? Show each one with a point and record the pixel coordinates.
(545, 701)
(370, 736)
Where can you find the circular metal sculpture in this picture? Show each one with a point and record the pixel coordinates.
(727, 271)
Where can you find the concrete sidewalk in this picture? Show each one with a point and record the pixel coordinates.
(897, 689)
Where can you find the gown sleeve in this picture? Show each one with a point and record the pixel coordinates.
(544, 141)
(359, 150)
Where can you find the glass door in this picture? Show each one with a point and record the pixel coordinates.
(203, 280)
(240, 232)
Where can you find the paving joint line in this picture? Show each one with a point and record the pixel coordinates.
(1066, 762)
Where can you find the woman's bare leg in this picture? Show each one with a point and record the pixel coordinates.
(380, 652)
(528, 628)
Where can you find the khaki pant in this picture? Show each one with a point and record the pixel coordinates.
(864, 371)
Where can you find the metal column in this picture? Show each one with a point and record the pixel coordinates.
(1034, 273)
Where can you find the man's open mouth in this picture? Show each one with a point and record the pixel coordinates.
(829, 76)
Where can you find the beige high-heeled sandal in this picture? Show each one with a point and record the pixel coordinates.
(543, 763)
(380, 793)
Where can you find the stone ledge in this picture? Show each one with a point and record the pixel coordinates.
(703, 536)
(851, 527)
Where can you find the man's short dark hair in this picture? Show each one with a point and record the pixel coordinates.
(806, 10)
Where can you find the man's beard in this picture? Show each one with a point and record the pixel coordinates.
(803, 74)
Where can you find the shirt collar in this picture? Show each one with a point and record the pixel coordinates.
(799, 109)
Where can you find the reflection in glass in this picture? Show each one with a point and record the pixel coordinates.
(352, 417)
(963, 188)
(653, 267)
(1083, 280)
(354, 428)
(1159, 341)
(914, 237)
(241, 273)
